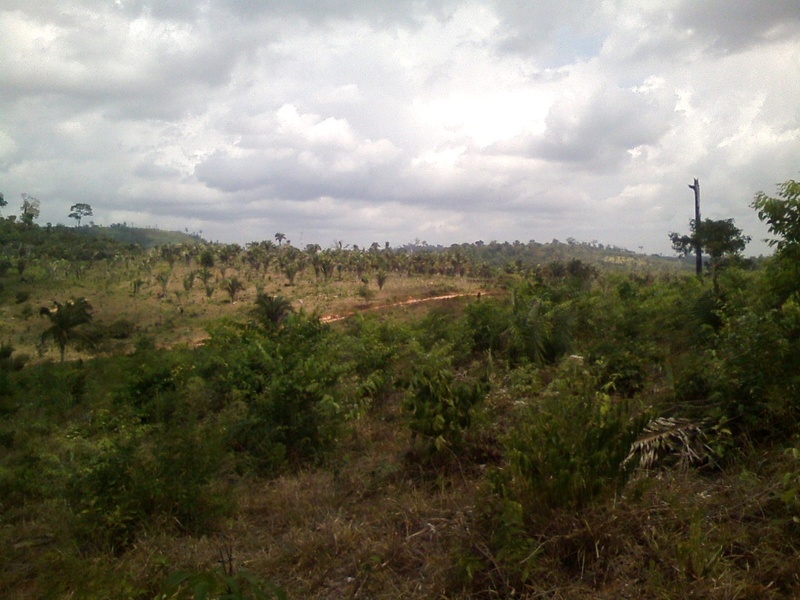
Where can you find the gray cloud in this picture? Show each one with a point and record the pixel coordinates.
(735, 26)
(437, 120)
(598, 131)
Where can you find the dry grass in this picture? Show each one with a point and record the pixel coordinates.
(181, 317)
(366, 527)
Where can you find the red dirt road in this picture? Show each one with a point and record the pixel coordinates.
(335, 318)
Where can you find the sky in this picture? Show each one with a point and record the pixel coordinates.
(367, 121)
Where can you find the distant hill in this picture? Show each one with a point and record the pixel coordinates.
(81, 243)
(499, 254)
(143, 237)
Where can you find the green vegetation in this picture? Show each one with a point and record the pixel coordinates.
(64, 318)
(499, 420)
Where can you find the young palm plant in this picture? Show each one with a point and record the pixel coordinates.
(271, 310)
(64, 318)
(233, 286)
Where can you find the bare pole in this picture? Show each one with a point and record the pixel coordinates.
(697, 246)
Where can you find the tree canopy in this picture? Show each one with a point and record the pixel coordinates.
(29, 210)
(80, 210)
(719, 239)
(782, 214)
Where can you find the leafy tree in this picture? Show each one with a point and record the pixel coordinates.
(2, 200)
(80, 210)
(64, 318)
(782, 214)
(29, 210)
(207, 259)
(721, 240)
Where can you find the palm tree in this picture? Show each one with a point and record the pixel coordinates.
(64, 318)
(233, 286)
(271, 310)
(381, 278)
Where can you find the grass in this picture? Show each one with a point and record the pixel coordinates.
(181, 317)
(367, 525)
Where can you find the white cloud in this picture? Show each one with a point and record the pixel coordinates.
(434, 119)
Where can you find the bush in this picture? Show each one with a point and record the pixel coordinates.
(288, 384)
(136, 480)
(151, 385)
(440, 400)
(445, 325)
(369, 349)
(570, 442)
(488, 323)
(625, 371)
(754, 374)
(121, 329)
(221, 583)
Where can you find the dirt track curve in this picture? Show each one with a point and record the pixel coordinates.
(335, 318)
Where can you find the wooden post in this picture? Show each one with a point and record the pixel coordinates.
(697, 247)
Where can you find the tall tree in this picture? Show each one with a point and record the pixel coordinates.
(64, 318)
(721, 240)
(80, 210)
(29, 210)
(698, 249)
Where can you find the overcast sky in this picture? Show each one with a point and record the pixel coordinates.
(398, 120)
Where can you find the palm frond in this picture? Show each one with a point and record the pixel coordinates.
(666, 440)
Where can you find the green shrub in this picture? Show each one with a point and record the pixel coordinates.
(445, 325)
(151, 385)
(369, 350)
(440, 400)
(287, 380)
(136, 480)
(488, 323)
(541, 332)
(624, 371)
(220, 584)
(121, 329)
(570, 442)
(10, 361)
(754, 373)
